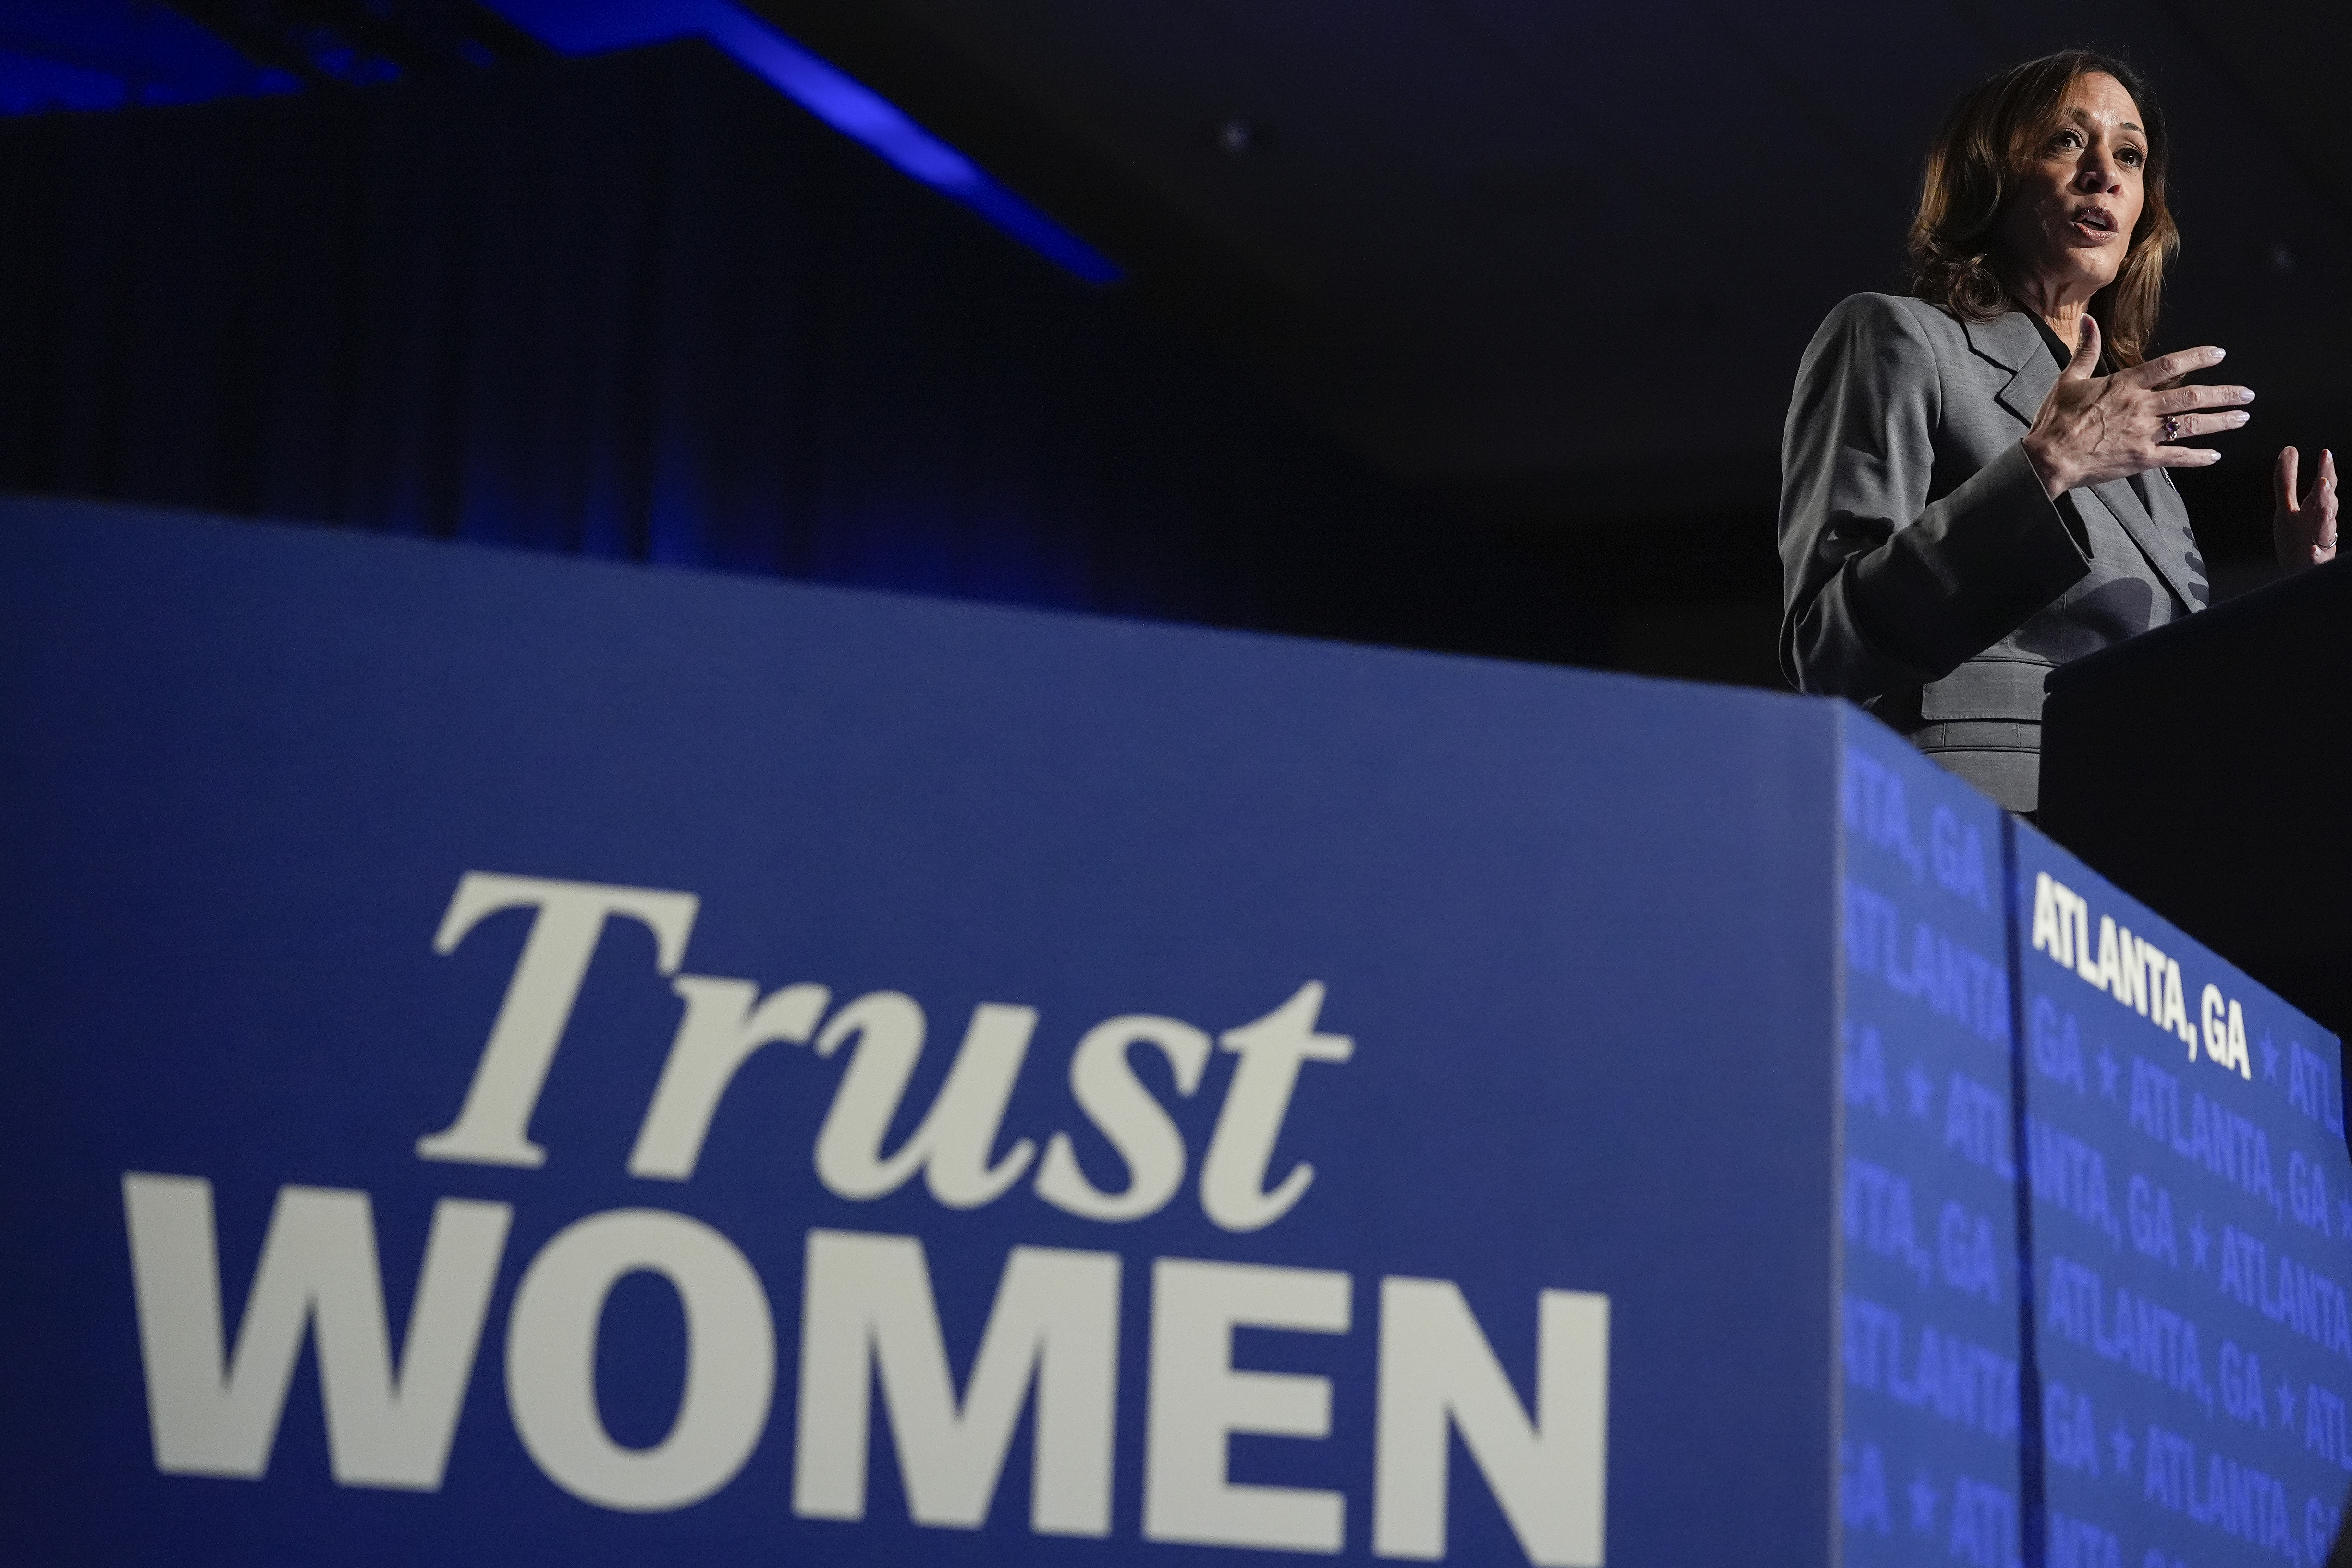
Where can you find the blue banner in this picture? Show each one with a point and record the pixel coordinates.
(525, 1060)
(2192, 1206)
(529, 1061)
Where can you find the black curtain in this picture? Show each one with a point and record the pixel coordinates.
(642, 306)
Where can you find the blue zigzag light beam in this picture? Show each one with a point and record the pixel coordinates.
(592, 26)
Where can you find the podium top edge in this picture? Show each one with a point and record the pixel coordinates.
(2272, 599)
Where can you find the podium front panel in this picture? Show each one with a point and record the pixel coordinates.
(524, 1060)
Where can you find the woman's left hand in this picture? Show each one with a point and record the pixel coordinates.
(2303, 533)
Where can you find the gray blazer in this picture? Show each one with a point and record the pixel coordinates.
(1924, 573)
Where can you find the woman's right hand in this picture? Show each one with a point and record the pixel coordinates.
(2093, 428)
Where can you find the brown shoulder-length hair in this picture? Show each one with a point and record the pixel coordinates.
(1974, 165)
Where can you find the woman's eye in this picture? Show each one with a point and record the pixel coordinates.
(2133, 156)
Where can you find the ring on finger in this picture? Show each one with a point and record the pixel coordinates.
(2171, 427)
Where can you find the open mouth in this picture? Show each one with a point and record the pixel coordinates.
(2095, 224)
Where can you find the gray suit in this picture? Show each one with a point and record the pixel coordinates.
(1924, 573)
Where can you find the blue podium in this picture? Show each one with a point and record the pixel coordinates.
(527, 1060)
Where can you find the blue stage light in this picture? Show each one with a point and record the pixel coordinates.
(590, 26)
(104, 54)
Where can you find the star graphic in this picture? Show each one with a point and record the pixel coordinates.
(2199, 1237)
(2120, 1440)
(1922, 1090)
(1924, 1497)
(2107, 1073)
(2286, 1403)
(2269, 1059)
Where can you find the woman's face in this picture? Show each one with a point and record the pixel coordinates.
(2070, 222)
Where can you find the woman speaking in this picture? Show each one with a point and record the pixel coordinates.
(1975, 481)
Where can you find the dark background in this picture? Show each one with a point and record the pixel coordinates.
(1449, 324)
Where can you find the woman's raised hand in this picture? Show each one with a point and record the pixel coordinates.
(2093, 428)
(2303, 533)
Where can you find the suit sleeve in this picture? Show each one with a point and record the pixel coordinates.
(1881, 588)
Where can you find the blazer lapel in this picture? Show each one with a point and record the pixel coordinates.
(2012, 342)
(2129, 500)
(2162, 498)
